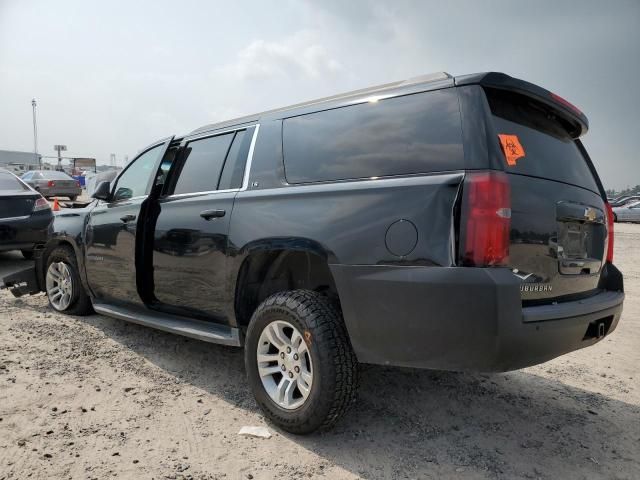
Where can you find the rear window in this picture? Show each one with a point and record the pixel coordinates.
(9, 182)
(418, 133)
(549, 151)
(55, 175)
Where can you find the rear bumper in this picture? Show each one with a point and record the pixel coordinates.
(24, 233)
(60, 192)
(464, 318)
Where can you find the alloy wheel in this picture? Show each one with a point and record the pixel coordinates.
(284, 364)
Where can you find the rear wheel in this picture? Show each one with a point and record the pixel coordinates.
(299, 361)
(63, 284)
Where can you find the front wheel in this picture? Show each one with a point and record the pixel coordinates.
(299, 361)
(63, 284)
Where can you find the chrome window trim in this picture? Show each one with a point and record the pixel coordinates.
(247, 167)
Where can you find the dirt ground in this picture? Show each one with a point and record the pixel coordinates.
(98, 398)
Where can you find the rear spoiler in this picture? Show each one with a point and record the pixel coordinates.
(501, 81)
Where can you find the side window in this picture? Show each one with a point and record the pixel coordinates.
(202, 163)
(418, 133)
(134, 181)
(37, 176)
(234, 166)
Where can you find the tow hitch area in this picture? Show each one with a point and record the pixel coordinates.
(23, 282)
(598, 328)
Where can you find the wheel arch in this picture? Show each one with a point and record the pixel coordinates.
(273, 265)
(52, 244)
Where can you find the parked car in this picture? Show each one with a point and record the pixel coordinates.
(630, 212)
(53, 183)
(621, 202)
(347, 230)
(25, 216)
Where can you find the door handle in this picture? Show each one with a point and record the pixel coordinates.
(209, 214)
(128, 218)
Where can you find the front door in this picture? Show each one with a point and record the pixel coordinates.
(191, 231)
(111, 231)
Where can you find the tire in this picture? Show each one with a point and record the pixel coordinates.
(615, 218)
(79, 302)
(27, 254)
(329, 355)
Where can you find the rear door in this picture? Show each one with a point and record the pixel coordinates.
(191, 230)
(111, 232)
(558, 215)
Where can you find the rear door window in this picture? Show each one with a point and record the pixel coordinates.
(234, 166)
(418, 133)
(202, 163)
(549, 151)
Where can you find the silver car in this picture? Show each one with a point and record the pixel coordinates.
(52, 183)
(627, 213)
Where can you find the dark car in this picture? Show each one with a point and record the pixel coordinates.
(25, 216)
(53, 183)
(444, 223)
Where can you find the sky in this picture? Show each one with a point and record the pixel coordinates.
(114, 76)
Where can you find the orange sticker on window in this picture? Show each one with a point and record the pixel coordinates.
(511, 148)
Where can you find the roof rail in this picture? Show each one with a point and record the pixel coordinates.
(431, 77)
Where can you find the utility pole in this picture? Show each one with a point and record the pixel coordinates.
(112, 160)
(35, 133)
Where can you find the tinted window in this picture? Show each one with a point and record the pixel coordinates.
(417, 133)
(134, 181)
(202, 163)
(27, 176)
(9, 182)
(233, 170)
(550, 152)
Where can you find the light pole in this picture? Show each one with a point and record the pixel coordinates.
(35, 133)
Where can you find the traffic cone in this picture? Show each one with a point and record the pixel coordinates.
(56, 206)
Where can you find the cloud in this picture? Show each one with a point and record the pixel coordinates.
(300, 55)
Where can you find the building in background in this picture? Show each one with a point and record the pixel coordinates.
(19, 162)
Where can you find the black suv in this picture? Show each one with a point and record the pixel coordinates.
(440, 222)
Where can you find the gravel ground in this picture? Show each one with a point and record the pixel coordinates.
(97, 398)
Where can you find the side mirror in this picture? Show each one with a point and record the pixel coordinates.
(103, 191)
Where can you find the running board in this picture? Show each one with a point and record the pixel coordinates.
(205, 331)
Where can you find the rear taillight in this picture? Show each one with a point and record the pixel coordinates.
(486, 217)
(50, 183)
(609, 233)
(41, 204)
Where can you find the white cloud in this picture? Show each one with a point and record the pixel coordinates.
(298, 55)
